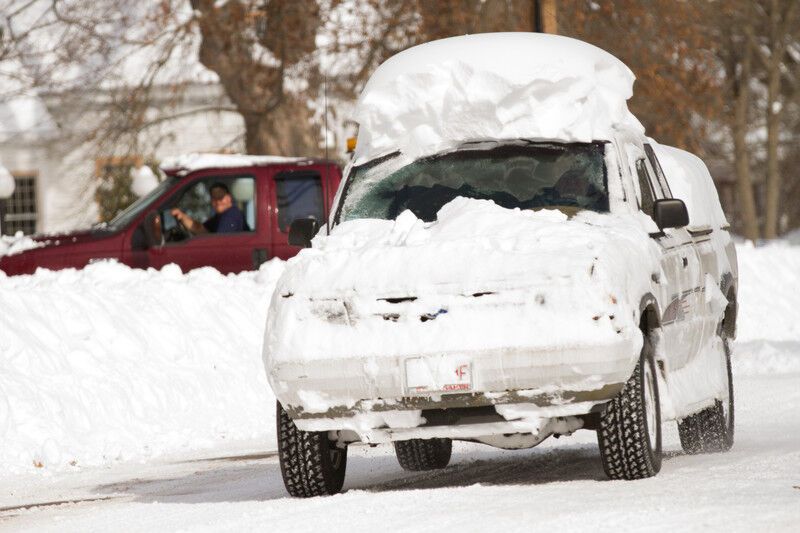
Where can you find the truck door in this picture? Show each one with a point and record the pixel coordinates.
(681, 296)
(700, 234)
(294, 194)
(227, 252)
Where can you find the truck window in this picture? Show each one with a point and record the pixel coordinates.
(299, 196)
(195, 201)
(520, 175)
(662, 178)
(645, 187)
(141, 205)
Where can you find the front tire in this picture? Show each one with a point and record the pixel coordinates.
(630, 428)
(712, 429)
(423, 454)
(311, 463)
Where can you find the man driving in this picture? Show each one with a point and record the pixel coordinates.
(227, 217)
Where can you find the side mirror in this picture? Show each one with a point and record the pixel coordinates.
(154, 236)
(301, 231)
(670, 213)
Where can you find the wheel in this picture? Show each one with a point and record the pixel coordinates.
(311, 463)
(630, 428)
(423, 454)
(712, 429)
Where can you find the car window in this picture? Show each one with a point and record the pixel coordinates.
(299, 196)
(646, 189)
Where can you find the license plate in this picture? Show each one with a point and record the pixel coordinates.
(438, 374)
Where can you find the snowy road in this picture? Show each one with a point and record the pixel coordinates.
(559, 485)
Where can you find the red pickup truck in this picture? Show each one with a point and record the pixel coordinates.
(271, 192)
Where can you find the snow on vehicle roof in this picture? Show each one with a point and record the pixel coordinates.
(197, 161)
(492, 86)
(689, 180)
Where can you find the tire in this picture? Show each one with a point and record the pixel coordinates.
(311, 463)
(712, 429)
(630, 427)
(423, 454)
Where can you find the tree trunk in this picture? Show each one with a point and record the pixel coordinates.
(744, 184)
(276, 122)
(773, 122)
(287, 130)
(544, 17)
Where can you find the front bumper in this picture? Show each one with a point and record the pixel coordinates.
(337, 393)
(346, 362)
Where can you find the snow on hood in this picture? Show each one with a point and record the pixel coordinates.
(493, 271)
(492, 86)
(473, 246)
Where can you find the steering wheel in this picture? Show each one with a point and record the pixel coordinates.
(177, 233)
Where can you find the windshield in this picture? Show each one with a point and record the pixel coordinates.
(142, 204)
(569, 177)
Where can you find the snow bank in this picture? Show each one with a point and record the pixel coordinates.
(110, 363)
(768, 339)
(492, 86)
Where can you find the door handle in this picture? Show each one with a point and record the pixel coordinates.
(685, 262)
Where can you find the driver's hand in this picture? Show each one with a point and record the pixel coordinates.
(178, 214)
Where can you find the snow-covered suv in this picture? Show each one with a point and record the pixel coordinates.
(507, 260)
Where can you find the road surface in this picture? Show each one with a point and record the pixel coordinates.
(558, 486)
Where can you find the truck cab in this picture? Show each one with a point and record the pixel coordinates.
(269, 191)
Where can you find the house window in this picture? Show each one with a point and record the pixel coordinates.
(20, 210)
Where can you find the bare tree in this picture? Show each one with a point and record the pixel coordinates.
(710, 74)
(257, 48)
(780, 20)
(735, 24)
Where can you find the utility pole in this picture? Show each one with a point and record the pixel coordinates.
(544, 16)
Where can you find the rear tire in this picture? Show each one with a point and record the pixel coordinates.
(423, 454)
(712, 429)
(311, 463)
(630, 428)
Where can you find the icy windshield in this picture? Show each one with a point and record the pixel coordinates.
(132, 211)
(569, 177)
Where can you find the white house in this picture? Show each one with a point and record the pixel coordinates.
(42, 145)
